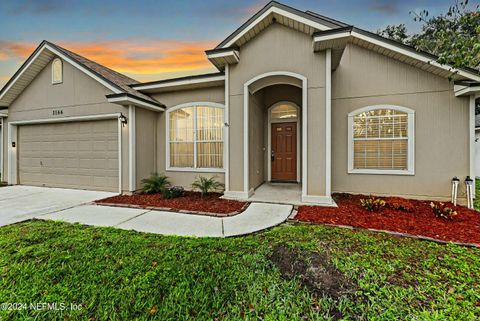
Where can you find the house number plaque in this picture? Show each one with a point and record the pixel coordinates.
(57, 112)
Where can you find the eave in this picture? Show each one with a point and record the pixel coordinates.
(125, 99)
(221, 57)
(182, 83)
(337, 40)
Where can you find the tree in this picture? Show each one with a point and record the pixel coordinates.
(395, 32)
(454, 37)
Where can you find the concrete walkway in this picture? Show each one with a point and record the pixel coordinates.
(19, 203)
(257, 217)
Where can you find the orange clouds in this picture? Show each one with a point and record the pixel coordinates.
(147, 57)
(15, 50)
(131, 57)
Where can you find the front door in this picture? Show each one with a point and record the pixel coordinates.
(284, 152)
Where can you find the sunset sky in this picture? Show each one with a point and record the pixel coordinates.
(151, 40)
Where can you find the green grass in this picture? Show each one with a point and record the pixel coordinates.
(122, 275)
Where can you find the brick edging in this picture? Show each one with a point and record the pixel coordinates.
(169, 209)
(418, 237)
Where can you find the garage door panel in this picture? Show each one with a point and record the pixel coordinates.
(81, 155)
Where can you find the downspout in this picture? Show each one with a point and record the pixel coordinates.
(328, 122)
(132, 157)
(471, 132)
(226, 141)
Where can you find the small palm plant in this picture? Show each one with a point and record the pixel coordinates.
(155, 184)
(206, 185)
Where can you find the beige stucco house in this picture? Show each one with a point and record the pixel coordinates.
(298, 97)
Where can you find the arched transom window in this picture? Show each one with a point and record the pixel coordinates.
(284, 111)
(195, 136)
(57, 71)
(381, 140)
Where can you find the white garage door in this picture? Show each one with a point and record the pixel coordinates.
(79, 155)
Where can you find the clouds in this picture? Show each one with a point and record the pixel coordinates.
(385, 7)
(10, 50)
(133, 57)
(37, 7)
(145, 57)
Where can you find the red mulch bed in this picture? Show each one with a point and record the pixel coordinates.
(399, 215)
(192, 201)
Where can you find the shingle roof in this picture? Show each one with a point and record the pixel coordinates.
(115, 78)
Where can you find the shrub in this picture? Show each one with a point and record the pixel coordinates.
(155, 184)
(400, 204)
(373, 204)
(173, 192)
(441, 210)
(206, 185)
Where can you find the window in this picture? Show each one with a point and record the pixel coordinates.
(195, 137)
(57, 71)
(284, 111)
(381, 140)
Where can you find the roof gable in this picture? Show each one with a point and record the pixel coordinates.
(45, 52)
(306, 22)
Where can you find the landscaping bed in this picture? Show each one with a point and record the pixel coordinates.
(401, 215)
(191, 202)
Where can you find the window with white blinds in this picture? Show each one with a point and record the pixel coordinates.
(381, 140)
(195, 137)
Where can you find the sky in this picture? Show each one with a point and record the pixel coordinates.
(152, 40)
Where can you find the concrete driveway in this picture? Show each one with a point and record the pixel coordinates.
(19, 203)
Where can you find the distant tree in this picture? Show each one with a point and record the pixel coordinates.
(454, 36)
(395, 32)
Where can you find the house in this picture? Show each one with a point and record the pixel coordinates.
(298, 97)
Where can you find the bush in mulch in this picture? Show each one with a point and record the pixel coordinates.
(190, 201)
(399, 215)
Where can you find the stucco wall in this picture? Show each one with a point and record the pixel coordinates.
(172, 99)
(77, 95)
(365, 78)
(146, 144)
(279, 48)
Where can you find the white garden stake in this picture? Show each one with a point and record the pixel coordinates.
(469, 186)
(455, 182)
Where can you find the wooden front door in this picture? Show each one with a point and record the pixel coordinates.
(284, 152)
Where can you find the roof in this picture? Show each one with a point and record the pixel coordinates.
(46, 51)
(182, 83)
(114, 77)
(328, 33)
(352, 31)
(311, 22)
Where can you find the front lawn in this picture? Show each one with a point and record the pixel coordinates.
(292, 272)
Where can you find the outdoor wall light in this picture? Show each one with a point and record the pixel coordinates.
(13, 145)
(123, 119)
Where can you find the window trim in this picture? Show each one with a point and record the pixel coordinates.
(411, 142)
(61, 67)
(167, 139)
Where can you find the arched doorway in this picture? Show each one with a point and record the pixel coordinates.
(289, 117)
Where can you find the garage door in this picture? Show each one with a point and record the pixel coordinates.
(80, 155)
